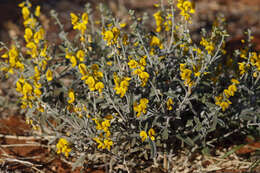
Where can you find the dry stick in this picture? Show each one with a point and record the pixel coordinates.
(24, 163)
(23, 145)
(26, 137)
(11, 160)
(165, 160)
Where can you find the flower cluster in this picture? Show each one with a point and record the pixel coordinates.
(104, 141)
(186, 75)
(11, 58)
(144, 135)
(63, 147)
(223, 99)
(139, 68)
(92, 77)
(187, 8)
(169, 104)
(141, 107)
(80, 25)
(121, 84)
(253, 60)
(74, 59)
(209, 46)
(159, 21)
(111, 36)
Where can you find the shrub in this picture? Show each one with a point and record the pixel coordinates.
(122, 93)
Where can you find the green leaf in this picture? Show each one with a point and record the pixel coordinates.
(165, 134)
(153, 149)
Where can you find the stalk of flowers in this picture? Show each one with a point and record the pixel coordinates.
(223, 99)
(34, 36)
(159, 21)
(187, 8)
(92, 77)
(121, 84)
(208, 45)
(253, 61)
(103, 140)
(155, 42)
(139, 69)
(186, 75)
(80, 25)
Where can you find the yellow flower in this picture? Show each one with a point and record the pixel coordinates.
(232, 89)
(85, 18)
(241, 67)
(108, 36)
(30, 22)
(141, 108)
(13, 54)
(218, 100)
(27, 89)
(158, 21)
(151, 133)
(49, 76)
(28, 34)
(100, 144)
(99, 86)
(132, 63)
(188, 6)
(37, 92)
(22, 4)
(91, 83)
(186, 76)
(143, 135)
(227, 93)
(18, 87)
(71, 96)
(144, 75)
(37, 11)
(144, 101)
(74, 19)
(83, 69)
(73, 61)
(109, 63)
(63, 147)
(80, 55)
(94, 67)
(155, 41)
(25, 13)
(81, 27)
(224, 105)
(169, 104)
(108, 143)
(33, 49)
(209, 46)
(39, 35)
(122, 25)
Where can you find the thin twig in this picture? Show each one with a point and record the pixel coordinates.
(27, 163)
(26, 137)
(24, 145)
